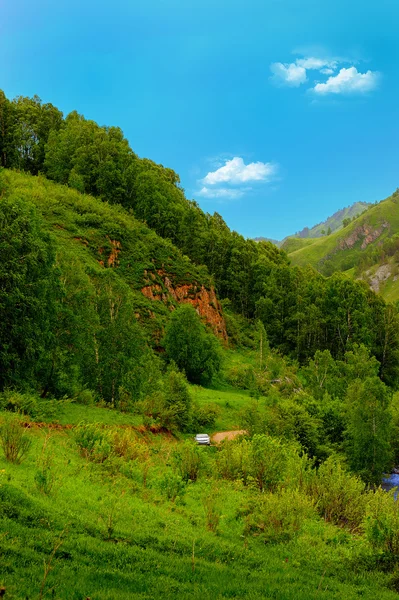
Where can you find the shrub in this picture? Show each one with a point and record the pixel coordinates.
(279, 517)
(205, 416)
(172, 486)
(188, 461)
(338, 495)
(268, 461)
(381, 522)
(178, 399)
(86, 397)
(93, 441)
(194, 350)
(14, 442)
(263, 461)
(27, 404)
(212, 511)
(242, 376)
(234, 460)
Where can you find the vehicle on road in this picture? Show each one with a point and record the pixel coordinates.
(203, 439)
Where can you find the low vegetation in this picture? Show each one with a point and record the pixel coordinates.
(131, 320)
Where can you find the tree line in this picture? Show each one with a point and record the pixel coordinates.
(301, 310)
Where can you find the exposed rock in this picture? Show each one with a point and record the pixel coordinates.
(204, 300)
(115, 249)
(365, 232)
(382, 274)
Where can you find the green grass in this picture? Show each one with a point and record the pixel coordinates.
(123, 539)
(229, 401)
(70, 413)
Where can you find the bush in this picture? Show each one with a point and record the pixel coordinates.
(212, 510)
(242, 376)
(13, 440)
(263, 461)
(98, 444)
(188, 461)
(205, 416)
(93, 441)
(234, 460)
(172, 486)
(381, 522)
(279, 517)
(339, 496)
(191, 347)
(29, 405)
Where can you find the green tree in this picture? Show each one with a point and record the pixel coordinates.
(178, 401)
(194, 350)
(368, 428)
(28, 292)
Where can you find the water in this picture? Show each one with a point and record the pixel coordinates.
(390, 482)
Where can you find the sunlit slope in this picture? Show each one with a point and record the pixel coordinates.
(362, 248)
(92, 236)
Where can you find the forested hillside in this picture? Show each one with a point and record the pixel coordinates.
(366, 248)
(131, 320)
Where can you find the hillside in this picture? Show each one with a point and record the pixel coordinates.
(334, 223)
(366, 249)
(94, 236)
(131, 320)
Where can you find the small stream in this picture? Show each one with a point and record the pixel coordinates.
(390, 482)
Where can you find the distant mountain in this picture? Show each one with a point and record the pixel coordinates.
(265, 239)
(333, 223)
(366, 248)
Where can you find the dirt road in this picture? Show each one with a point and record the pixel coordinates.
(226, 435)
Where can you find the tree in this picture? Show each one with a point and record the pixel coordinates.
(368, 428)
(346, 222)
(28, 291)
(178, 400)
(194, 350)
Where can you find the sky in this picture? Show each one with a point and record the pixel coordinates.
(275, 113)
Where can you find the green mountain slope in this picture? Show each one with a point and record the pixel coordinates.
(366, 248)
(334, 223)
(93, 236)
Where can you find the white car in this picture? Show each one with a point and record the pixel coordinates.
(203, 439)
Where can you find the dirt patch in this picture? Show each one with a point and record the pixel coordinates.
(226, 435)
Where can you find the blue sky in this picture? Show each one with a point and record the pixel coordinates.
(275, 113)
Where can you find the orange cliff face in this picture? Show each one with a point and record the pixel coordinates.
(202, 299)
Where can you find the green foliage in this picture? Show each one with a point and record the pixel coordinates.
(368, 428)
(381, 523)
(30, 405)
(28, 290)
(14, 441)
(279, 517)
(338, 496)
(187, 343)
(188, 461)
(173, 486)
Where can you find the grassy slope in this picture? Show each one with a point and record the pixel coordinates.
(335, 221)
(291, 244)
(85, 229)
(123, 539)
(327, 248)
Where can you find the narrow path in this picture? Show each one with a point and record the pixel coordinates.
(226, 435)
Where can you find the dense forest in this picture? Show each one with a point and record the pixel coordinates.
(120, 295)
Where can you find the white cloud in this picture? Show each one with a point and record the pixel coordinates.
(312, 62)
(348, 81)
(227, 193)
(327, 71)
(288, 74)
(236, 171)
